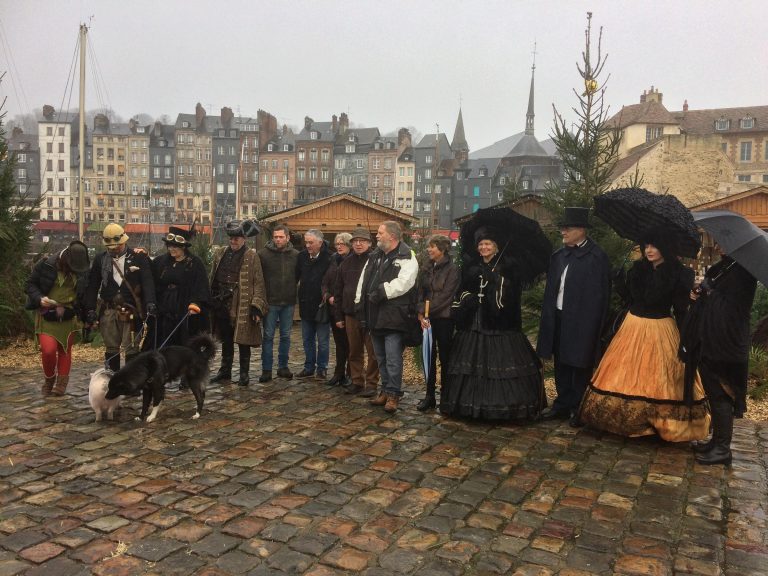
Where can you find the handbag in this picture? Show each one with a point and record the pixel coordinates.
(323, 315)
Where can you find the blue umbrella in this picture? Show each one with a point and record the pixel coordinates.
(426, 344)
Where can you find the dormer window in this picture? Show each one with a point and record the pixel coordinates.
(747, 123)
(313, 135)
(483, 172)
(185, 124)
(377, 146)
(526, 184)
(140, 129)
(351, 137)
(350, 149)
(285, 147)
(503, 180)
(722, 124)
(270, 147)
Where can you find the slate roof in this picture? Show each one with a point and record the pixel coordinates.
(703, 121)
(472, 167)
(428, 141)
(324, 128)
(643, 113)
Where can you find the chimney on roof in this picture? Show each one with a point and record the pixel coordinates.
(158, 129)
(653, 95)
(48, 112)
(132, 123)
(101, 121)
(308, 122)
(285, 129)
(16, 132)
(685, 105)
(403, 138)
(343, 123)
(226, 117)
(334, 124)
(642, 97)
(199, 114)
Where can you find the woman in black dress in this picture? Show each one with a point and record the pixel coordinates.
(181, 285)
(494, 372)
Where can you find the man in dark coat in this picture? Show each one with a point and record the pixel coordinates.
(122, 279)
(716, 339)
(385, 296)
(311, 265)
(575, 304)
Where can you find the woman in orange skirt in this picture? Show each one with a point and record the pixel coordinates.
(638, 388)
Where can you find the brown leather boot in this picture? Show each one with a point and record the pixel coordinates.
(48, 384)
(391, 405)
(380, 400)
(61, 385)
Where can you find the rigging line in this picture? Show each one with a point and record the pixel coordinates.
(23, 102)
(97, 83)
(100, 74)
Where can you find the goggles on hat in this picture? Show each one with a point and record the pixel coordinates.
(113, 238)
(176, 238)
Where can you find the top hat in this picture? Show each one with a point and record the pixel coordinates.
(178, 237)
(78, 257)
(575, 217)
(113, 235)
(362, 233)
(244, 228)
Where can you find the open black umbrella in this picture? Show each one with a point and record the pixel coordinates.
(739, 238)
(632, 212)
(519, 239)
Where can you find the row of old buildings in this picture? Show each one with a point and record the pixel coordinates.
(210, 169)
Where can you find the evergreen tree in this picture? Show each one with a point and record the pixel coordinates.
(589, 150)
(16, 215)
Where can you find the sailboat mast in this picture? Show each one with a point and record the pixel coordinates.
(81, 143)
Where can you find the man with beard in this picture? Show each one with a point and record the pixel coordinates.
(385, 294)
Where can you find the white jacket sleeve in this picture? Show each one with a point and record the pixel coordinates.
(406, 279)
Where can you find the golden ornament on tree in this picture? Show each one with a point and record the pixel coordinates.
(591, 85)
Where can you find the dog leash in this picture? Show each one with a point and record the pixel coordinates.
(174, 330)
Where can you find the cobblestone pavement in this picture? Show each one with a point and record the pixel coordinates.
(294, 477)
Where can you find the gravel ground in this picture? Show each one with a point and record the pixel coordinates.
(22, 354)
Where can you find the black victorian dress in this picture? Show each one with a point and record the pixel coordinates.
(494, 373)
(177, 285)
(638, 388)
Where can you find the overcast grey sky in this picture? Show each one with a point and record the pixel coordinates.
(387, 63)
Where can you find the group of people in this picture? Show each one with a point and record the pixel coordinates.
(368, 298)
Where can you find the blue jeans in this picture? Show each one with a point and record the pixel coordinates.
(285, 315)
(389, 354)
(316, 336)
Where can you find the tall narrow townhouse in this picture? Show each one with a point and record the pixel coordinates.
(57, 140)
(278, 173)
(382, 166)
(193, 168)
(350, 158)
(429, 155)
(405, 179)
(248, 175)
(105, 182)
(27, 172)
(162, 159)
(314, 161)
(138, 173)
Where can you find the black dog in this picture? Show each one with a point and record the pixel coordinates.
(190, 363)
(144, 374)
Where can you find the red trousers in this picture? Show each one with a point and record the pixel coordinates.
(56, 360)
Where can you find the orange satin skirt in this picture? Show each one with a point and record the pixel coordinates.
(637, 390)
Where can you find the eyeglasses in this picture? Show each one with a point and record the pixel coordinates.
(112, 238)
(176, 238)
(341, 243)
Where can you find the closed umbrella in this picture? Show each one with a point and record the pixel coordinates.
(739, 238)
(632, 212)
(426, 344)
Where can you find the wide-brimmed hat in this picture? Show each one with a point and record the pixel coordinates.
(113, 235)
(362, 233)
(575, 217)
(78, 257)
(178, 237)
(244, 228)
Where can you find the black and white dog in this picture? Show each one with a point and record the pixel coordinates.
(149, 371)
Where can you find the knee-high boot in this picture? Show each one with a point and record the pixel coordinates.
(245, 364)
(722, 424)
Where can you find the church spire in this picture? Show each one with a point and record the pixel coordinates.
(459, 144)
(529, 115)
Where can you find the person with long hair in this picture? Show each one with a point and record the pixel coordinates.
(438, 284)
(56, 289)
(638, 388)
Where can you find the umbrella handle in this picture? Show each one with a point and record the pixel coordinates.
(426, 309)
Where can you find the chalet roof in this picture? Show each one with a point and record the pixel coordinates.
(643, 113)
(703, 121)
(723, 202)
(390, 213)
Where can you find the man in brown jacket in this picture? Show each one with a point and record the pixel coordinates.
(239, 300)
(364, 382)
